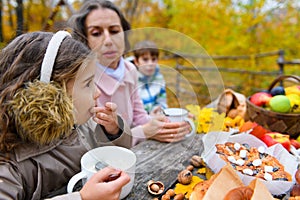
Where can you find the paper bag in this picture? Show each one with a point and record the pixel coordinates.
(226, 180)
(229, 100)
(260, 191)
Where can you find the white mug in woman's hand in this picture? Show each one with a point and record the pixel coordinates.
(179, 115)
(115, 156)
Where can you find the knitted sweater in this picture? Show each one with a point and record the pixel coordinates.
(152, 90)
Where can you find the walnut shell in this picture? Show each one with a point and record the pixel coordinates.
(197, 161)
(185, 177)
(155, 187)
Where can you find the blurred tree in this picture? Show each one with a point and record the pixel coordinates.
(139, 13)
(130, 8)
(1, 24)
(20, 19)
(10, 14)
(28, 16)
(227, 27)
(54, 12)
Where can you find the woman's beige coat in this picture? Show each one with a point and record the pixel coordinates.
(31, 172)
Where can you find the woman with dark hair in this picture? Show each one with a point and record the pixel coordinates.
(102, 27)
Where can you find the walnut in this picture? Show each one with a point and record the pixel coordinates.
(179, 196)
(197, 161)
(155, 187)
(171, 192)
(185, 177)
(165, 197)
(190, 167)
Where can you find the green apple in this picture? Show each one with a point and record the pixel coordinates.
(280, 103)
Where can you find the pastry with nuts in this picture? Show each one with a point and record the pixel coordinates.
(252, 161)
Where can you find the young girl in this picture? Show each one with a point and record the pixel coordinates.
(47, 91)
(102, 27)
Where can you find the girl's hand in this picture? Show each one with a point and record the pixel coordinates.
(107, 117)
(99, 186)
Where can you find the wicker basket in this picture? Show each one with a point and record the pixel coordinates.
(274, 121)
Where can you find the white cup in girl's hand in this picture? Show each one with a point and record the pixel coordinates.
(115, 156)
(179, 115)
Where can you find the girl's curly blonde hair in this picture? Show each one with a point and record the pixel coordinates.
(30, 110)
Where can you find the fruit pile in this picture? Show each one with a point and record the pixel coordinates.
(268, 137)
(279, 99)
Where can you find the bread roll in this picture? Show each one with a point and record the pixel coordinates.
(199, 190)
(239, 193)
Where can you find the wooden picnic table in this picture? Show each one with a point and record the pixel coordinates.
(161, 162)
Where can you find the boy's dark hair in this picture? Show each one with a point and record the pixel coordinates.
(144, 47)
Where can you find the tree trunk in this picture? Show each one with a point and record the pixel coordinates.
(129, 8)
(132, 9)
(20, 19)
(1, 24)
(28, 18)
(10, 18)
(50, 19)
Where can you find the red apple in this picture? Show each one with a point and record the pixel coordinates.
(247, 126)
(259, 131)
(268, 140)
(260, 98)
(274, 137)
(295, 143)
(256, 130)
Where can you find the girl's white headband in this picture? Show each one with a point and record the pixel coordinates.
(50, 55)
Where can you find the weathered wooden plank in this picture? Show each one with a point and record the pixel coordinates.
(161, 162)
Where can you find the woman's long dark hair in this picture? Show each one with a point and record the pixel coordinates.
(77, 21)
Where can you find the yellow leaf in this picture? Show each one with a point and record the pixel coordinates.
(187, 189)
(194, 109)
(201, 170)
(217, 122)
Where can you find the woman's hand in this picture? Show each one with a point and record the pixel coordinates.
(159, 128)
(99, 186)
(107, 117)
